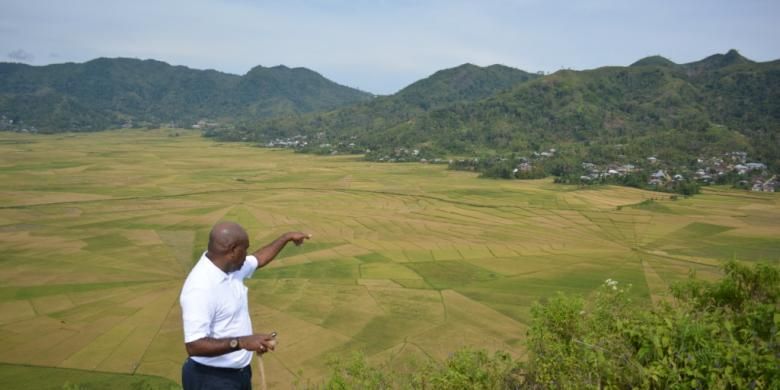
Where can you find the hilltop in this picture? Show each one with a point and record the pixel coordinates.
(463, 84)
(115, 92)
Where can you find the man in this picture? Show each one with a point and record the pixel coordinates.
(218, 332)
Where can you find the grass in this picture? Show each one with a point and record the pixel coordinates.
(407, 260)
(44, 378)
(729, 247)
(451, 274)
(30, 292)
(332, 269)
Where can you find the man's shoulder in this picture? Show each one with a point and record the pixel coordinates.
(249, 267)
(200, 276)
(197, 270)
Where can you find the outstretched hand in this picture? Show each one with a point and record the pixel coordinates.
(299, 237)
(267, 253)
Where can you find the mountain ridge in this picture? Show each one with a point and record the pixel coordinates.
(677, 107)
(110, 92)
(464, 109)
(457, 85)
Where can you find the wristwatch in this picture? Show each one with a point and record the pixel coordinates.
(234, 343)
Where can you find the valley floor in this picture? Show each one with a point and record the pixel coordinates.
(408, 261)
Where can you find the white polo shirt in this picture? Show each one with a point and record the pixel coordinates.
(214, 304)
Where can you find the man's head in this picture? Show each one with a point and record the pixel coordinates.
(228, 243)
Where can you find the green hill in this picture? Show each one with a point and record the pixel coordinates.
(107, 92)
(719, 103)
(464, 84)
(724, 102)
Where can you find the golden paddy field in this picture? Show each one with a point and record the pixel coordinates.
(408, 261)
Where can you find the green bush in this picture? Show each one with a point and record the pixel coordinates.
(714, 335)
(464, 369)
(576, 345)
(469, 369)
(356, 373)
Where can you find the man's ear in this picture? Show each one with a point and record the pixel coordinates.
(234, 248)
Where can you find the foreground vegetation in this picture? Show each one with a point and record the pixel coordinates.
(712, 335)
(409, 262)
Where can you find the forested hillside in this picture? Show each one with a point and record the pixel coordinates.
(105, 93)
(464, 84)
(654, 107)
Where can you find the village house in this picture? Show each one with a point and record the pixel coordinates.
(702, 176)
(770, 185)
(755, 166)
(655, 182)
(659, 177)
(739, 157)
(588, 166)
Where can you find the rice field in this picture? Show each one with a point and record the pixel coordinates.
(408, 261)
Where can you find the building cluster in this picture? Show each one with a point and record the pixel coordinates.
(753, 175)
(402, 154)
(297, 141)
(526, 164)
(769, 185)
(707, 170)
(732, 167)
(7, 123)
(205, 124)
(729, 162)
(595, 172)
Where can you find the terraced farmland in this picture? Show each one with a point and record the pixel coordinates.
(99, 230)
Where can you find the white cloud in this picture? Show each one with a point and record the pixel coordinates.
(21, 55)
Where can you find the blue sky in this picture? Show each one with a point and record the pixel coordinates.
(382, 46)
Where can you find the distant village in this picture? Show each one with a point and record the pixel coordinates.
(752, 175)
(733, 167)
(708, 170)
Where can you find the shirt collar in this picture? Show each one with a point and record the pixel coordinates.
(213, 272)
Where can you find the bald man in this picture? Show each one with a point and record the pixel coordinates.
(218, 332)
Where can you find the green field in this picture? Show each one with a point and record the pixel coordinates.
(99, 230)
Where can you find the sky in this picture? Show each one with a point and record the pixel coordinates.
(382, 46)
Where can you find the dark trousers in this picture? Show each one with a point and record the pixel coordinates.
(196, 376)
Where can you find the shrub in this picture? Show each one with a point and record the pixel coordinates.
(468, 369)
(356, 373)
(714, 335)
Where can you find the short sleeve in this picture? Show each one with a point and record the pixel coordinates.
(197, 312)
(249, 267)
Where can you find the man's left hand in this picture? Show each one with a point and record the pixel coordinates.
(258, 342)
